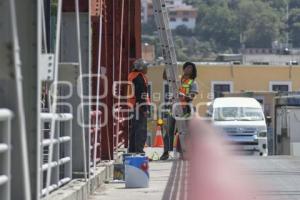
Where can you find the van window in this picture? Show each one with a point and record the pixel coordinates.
(238, 114)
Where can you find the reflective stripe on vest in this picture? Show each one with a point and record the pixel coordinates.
(186, 86)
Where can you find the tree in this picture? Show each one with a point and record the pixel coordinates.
(149, 27)
(279, 5)
(294, 26)
(183, 31)
(263, 31)
(220, 24)
(259, 23)
(224, 25)
(294, 4)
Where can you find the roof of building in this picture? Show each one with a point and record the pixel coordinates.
(236, 102)
(183, 8)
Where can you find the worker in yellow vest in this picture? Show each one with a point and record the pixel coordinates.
(187, 92)
(139, 102)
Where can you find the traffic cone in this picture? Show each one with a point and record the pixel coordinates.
(158, 141)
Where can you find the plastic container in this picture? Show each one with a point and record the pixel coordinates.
(136, 172)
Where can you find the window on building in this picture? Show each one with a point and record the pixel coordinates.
(172, 13)
(166, 92)
(186, 13)
(219, 87)
(280, 86)
(173, 19)
(185, 19)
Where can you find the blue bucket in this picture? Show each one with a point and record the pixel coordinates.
(136, 172)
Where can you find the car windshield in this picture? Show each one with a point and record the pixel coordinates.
(238, 114)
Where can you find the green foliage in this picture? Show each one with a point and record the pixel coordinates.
(149, 27)
(264, 30)
(220, 24)
(294, 4)
(259, 24)
(224, 26)
(182, 30)
(294, 26)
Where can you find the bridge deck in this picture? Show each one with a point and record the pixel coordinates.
(278, 176)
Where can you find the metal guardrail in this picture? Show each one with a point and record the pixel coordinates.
(95, 146)
(61, 164)
(119, 133)
(5, 153)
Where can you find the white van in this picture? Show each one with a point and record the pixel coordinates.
(243, 123)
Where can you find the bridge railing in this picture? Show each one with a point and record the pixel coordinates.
(5, 153)
(61, 163)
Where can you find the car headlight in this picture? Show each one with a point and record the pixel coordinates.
(262, 134)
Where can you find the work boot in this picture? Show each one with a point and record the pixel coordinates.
(165, 156)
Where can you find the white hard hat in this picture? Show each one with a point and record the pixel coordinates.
(140, 65)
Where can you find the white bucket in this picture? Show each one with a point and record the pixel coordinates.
(136, 172)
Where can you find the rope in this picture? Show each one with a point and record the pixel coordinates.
(98, 86)
(81, 87)
(21, 112)
(55, 88)
(120, 73)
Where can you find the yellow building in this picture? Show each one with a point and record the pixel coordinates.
(213, 79)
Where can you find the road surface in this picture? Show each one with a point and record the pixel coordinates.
(279, 178)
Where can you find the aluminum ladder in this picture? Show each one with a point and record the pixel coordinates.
(161, 17)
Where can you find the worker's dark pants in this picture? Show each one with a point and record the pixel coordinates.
(138, 133)
(170, 132)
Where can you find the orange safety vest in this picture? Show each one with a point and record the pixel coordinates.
(185, 87)
(131, 77)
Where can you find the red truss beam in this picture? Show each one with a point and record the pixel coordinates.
(110, 61)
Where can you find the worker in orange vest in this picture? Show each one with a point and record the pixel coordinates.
(139, 102)
(187, 92)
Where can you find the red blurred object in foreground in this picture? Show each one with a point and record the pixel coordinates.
(215, 173)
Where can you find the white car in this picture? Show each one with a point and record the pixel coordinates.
(243, 123)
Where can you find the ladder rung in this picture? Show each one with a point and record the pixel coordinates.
(168, 50)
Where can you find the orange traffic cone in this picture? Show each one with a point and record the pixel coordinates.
(158, 141)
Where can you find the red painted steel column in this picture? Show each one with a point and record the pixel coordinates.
(69, 5)
(131, 49)
(124, 70)
(135, 30)
(109, 47)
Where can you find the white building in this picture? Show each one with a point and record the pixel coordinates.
(179, 12)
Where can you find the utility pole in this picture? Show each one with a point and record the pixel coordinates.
(287, 23)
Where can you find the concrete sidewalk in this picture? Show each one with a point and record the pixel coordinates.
(278, 176)
(160, 174)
